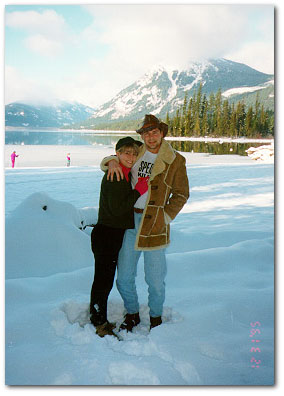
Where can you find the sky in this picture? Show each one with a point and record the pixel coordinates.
(88, 53)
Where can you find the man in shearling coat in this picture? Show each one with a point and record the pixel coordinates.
(167, 193)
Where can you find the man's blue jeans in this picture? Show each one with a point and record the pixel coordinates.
(155, 269)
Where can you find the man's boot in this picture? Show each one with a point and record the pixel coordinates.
(154, 322)
(130, 321)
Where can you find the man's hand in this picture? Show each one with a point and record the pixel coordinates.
(114, 168)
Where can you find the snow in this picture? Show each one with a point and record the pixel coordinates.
(262, 153)
(221, 140)
(172, 92)
(241, 90)
(219, 282)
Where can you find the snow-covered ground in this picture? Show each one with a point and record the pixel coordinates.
(219, 286)
(262, 153)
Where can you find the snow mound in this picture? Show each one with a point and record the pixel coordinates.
(89, 216)
(263, 153)
(43, 237)
(39, 205)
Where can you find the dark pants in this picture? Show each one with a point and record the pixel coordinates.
(106, 243)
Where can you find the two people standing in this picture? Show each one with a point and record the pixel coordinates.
(164, 171)
(14, 156)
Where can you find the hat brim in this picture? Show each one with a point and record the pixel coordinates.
(147, 129)
(150, 128)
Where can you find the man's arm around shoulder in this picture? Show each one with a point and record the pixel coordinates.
(111, 166)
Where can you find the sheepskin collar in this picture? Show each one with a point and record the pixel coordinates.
(166, 155)
(166, 152)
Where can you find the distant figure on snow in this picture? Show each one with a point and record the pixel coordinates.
(13, 158)
(68, 159)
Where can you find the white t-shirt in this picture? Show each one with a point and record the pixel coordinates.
(142, 168)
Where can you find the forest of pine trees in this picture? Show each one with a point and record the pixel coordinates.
(216, 117)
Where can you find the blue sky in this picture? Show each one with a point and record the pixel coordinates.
(88, 53)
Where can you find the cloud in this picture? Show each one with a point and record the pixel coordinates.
(252, 54)
(43, 45)
(137, 37)
(125, 41)
(47, 23)
(18, 88)
(47, 31)
(142, 35)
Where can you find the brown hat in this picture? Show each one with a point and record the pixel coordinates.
(151, 122)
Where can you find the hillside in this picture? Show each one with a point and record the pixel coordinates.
(57, 115)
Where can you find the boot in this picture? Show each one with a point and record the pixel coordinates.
(130, 321)
(105, 329)
(97, 315)
(154, 322)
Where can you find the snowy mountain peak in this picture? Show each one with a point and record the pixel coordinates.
(162, 88)
(57, 114)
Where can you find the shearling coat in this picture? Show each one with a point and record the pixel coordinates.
(167, 194)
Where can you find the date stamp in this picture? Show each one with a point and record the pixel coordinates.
(255, 338)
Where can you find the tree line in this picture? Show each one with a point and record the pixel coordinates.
(214, 116)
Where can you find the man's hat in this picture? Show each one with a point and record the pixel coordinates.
(151, 122)
(127, 141)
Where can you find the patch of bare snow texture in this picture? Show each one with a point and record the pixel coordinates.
(262, 153)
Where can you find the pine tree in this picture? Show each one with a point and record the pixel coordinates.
(233, 122)
(263, 121)
(184, 122)
(176, 124)
(240, 118)
(256, 115)
(169, 123)
(225, 118)
(249, 122)
(211, 106)
(189, 118)
(198, 100)
(217, 114)
(197, 127)
(204, 122)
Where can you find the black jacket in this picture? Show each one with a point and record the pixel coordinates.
(117, 200)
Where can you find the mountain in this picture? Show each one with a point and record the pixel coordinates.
(264, 92)
(58, 115)
(160, 90)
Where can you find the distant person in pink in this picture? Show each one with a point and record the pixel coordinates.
(68, 159)
(13, 158)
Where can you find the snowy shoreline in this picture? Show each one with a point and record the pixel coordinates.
(36, 156)
(221, 139)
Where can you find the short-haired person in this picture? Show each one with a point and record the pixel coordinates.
(115, 216)
(153, 211)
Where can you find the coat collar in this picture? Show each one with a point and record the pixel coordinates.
(166, 155)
